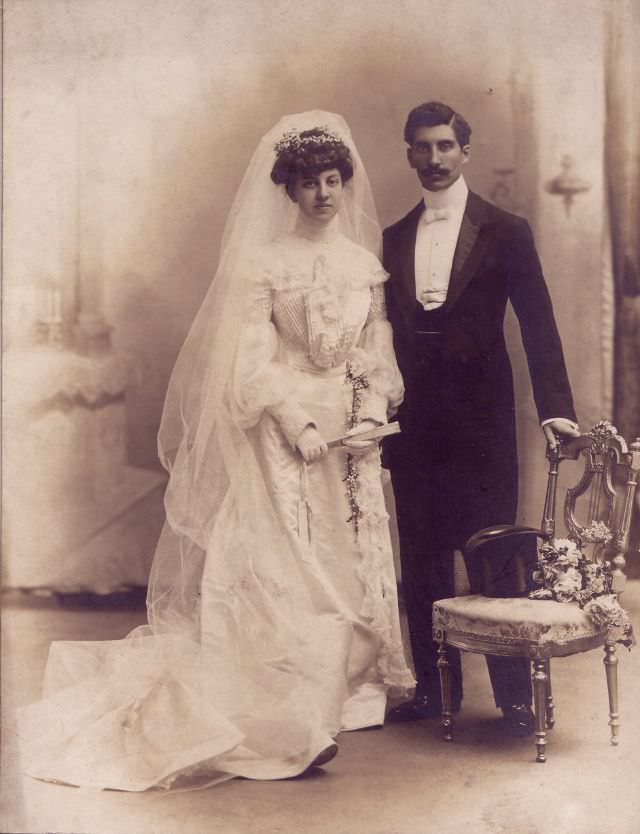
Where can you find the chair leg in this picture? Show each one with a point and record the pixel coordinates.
(540, 705)
(611, 668)
(444, 668)
(550, 708)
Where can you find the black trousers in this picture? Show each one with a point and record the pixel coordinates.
(426, 553)
(454, 471)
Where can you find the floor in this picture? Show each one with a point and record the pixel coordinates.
(398, 780)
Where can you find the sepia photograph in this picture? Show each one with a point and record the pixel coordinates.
(320, 417)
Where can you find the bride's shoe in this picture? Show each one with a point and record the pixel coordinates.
(324, 756)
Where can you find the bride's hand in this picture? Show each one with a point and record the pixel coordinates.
(311, 445)
(361, 447)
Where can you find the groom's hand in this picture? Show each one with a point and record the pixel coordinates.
(560, 427)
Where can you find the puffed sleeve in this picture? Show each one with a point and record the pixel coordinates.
(375, 355)
(259, 383)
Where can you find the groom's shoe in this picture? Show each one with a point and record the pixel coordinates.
(419, 709)
(518, 720)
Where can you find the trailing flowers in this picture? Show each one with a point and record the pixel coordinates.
(565, 574)
(356, 378)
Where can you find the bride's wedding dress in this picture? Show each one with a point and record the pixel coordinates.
(299, 631)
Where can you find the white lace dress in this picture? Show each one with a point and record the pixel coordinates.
(300, 639)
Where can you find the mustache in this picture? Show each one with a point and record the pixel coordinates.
(434, 169)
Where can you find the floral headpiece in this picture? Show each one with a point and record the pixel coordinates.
(294, 140)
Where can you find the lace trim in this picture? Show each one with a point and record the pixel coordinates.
(287, 264)
(315, 294)
(370, 520)
(377, 576)
(378, 308)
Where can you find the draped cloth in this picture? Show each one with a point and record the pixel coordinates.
(622, 171)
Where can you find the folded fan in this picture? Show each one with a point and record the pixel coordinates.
(372, 434)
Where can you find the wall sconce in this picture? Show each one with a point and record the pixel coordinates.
(567, 184)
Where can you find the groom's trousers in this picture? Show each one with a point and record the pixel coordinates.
(454, 472)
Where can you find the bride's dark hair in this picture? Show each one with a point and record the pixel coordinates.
(309, 153)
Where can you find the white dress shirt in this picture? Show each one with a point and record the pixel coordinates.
(437, 235)
(436, 239)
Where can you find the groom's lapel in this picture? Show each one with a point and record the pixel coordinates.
(407, 254)
(472, 244)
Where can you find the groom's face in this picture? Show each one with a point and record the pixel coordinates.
(437, 156)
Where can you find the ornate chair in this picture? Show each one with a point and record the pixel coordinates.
(540, 629)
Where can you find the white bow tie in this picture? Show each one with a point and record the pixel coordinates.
(430, 215)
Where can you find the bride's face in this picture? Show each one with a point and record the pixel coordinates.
(319, 197)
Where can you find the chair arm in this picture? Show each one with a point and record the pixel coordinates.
(500, 531)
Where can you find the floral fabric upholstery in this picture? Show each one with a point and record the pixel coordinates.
(509, 622)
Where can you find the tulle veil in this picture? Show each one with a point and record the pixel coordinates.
(210, 460)
(161, 705)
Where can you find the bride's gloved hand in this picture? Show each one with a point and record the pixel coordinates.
(311, 444)
(361, 447)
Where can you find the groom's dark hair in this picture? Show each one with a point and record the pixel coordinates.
(433, 113)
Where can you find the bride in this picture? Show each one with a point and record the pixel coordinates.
(273, 619)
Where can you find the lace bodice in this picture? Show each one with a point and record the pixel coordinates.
(313, 305)
(318, 295)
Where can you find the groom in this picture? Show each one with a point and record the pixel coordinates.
(455, 260)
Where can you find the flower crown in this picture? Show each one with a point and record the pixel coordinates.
(294, 140)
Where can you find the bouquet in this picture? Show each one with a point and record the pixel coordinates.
(565, 574)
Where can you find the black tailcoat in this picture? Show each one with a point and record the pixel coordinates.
(454, 466)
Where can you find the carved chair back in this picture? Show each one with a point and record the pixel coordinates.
(602, 500)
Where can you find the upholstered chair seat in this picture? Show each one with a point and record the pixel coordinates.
(506, 626)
